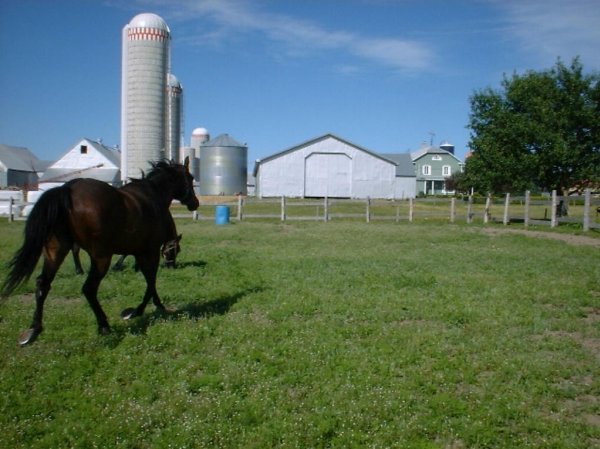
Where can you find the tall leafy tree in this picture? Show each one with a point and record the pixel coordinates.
(541, 129)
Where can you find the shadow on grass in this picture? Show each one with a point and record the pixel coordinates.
(193, 310)
(191, 263)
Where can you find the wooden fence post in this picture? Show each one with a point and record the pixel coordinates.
(368, 214)
(397, 213)
(283, 216)
(488, 204)
(505, 219)
(470, 210)
(239, 207)
(326, 209)
(526, 212)
(452, 209)
(11, 203)
(553, 219)
(411, 209)
(587, 209)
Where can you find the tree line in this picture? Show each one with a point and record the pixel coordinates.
(538, 131)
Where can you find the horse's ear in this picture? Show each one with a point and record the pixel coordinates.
(179, 237)
(186, 163)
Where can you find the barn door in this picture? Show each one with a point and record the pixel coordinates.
(328, 174)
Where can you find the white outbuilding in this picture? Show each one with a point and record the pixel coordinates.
(86, 159)
(329, 166)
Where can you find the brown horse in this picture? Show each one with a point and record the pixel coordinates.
(103, 221)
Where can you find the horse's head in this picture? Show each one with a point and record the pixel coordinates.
(185, 189)
(170, 250)
(174, 178)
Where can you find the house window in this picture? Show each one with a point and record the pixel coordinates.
(83, 149)
(436, 157)
(426, 170)
(446, 170)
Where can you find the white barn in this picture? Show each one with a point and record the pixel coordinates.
(329, 166)
(86, 159)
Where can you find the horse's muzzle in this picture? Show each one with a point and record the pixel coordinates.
(193, 204)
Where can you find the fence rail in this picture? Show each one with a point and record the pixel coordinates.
(553, 211)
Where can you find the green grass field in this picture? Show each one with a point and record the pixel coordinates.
(317, 335)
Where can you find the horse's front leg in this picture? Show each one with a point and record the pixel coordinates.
(149, 267)
(99, 267)
(54, 254)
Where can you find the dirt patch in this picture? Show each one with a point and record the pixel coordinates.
(580, 240)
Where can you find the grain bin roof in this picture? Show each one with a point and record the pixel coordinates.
(223, 141)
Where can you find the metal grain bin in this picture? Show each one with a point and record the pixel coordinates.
(223, 167)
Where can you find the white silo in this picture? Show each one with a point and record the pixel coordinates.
(143, 95)
(199, 136)
(174, 113)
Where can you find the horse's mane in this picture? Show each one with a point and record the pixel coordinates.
(157, 168)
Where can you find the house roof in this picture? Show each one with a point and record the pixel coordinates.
(427, 149)
(18, 158)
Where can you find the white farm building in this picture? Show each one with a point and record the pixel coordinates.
(86, 159)
(329, 166)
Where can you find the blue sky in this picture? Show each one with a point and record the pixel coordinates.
(383, 74)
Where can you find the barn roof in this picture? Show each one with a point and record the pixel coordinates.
(18, 158)
(100, 162)
(315, 140)
(403, 163)
(109, 175)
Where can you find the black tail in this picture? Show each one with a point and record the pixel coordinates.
(51, 209)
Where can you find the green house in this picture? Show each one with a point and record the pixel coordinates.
(432, 166)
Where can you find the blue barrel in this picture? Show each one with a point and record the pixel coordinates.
(222, 215)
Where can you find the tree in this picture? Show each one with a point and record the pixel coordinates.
(541, 129)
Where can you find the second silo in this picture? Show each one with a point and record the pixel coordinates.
(223, 167)
(173, 117)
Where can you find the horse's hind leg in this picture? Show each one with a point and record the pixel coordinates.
(54, 254)
(149, 267)
(76, 259)
(99, 267)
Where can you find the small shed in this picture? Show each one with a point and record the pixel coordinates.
(86, 159)
(329, 166)
(19, 167)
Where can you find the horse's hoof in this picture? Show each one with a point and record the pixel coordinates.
(104, 330)
(129, 313)
(29, 336)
